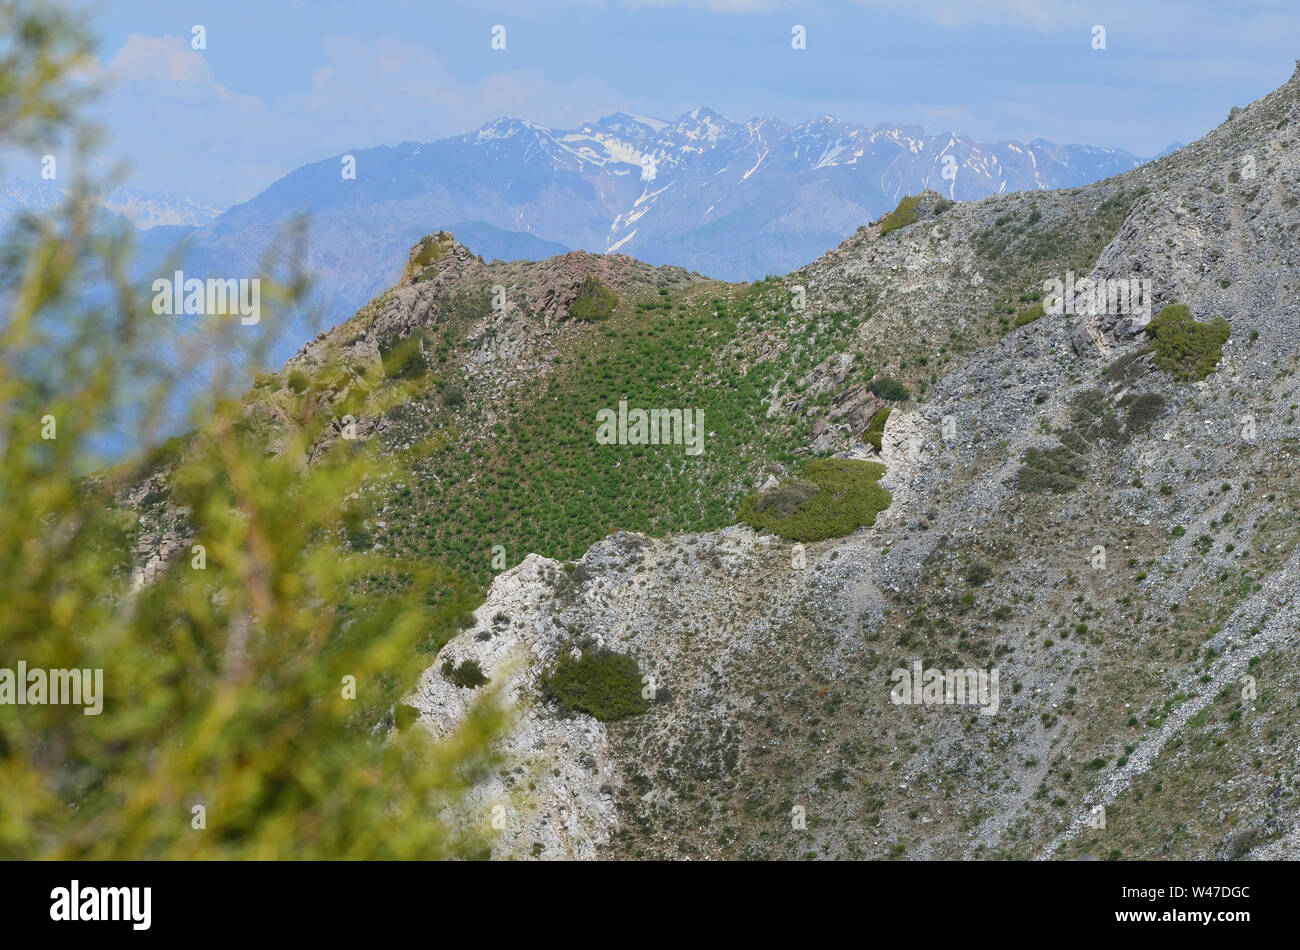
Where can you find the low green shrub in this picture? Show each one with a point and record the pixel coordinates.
(594, 301)
(901, 216)
(886, 387)
(453, 395)
(1184, 347)
(1143, 410)
(467, 674)
(1028, 315)
(849, 497)
(785, 499)
(1057, 470)
(606, 686)
(876, 427)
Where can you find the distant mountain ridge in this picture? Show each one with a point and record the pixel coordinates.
(734, 200)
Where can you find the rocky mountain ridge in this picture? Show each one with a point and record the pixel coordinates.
(1101, 506)
(1107, 709)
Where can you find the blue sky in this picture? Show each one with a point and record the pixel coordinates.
(284, 82)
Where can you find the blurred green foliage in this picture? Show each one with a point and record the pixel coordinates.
(255, 673)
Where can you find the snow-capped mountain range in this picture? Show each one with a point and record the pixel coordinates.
(732, 200)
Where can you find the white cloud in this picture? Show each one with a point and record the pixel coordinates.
(393, 88)
(385, 75)
(946, 114)
(158, 57)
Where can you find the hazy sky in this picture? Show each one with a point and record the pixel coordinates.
(283, 82)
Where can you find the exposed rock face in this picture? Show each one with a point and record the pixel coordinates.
(438, 258)
(512, 319)
(633, 595)
(563, 763)
(163, 531)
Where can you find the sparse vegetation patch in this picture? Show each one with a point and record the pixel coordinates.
(466, 674)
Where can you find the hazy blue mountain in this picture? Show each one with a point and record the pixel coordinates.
(145, 210)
